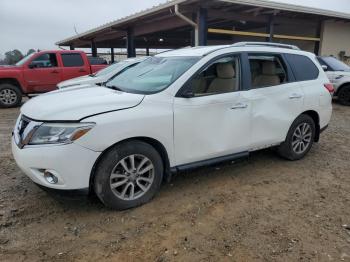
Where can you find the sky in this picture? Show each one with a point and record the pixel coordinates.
(38, 24)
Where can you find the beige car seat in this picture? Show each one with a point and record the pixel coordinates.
(268, 77)
(199, 85)
(225, 80)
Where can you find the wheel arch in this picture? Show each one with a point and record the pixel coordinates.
(12, 81)
(151, 141)
(344, 85)
(315, 116)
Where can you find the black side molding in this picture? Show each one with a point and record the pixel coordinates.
(209, 162)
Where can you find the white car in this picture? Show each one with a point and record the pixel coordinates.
(339, 75)
(101, 76)
(175, 111)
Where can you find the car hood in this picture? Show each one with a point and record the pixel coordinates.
(77, 81)
(80, 86)
(78, 103)
(344, 73)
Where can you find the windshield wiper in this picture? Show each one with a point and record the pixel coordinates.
(116, 88)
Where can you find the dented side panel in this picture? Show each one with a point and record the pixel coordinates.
(273, 111)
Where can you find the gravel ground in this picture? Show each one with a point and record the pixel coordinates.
(259, 209)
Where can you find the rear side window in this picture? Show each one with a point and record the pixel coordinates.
(267, 70)
(72, 60)
(303, 68)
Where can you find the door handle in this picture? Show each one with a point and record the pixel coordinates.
(82, 70)
(295, 96)
(239, 106)
(54, 72)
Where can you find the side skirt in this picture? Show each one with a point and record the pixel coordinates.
(208, 162)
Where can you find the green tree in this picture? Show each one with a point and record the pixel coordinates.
(30, 51)
(12, 57)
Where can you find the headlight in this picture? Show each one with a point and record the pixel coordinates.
(59, 133)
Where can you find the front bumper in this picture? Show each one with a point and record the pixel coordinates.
(71, 164)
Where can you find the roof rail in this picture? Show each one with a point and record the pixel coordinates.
(239, 44)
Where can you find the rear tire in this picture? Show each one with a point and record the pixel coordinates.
(128, 175)
(10, 96)
(300, 138)
(344, 95)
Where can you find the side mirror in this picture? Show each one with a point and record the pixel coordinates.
(187, 94)
(325, 68)
(31, 66)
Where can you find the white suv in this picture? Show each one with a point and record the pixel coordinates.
(175, 111)
(339, 75)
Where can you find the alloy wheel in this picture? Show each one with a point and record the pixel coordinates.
(132, 177)
(8, 96)
(301, 139)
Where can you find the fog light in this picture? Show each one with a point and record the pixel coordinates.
(51, 178)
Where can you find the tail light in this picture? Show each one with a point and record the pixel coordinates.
(330, 88)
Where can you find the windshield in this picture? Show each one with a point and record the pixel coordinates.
(152, 75)
(114, 67)
(335, 64)
(24, 59)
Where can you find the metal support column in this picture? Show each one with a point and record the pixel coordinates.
(130, 43)
(270, 29)
(112, 55)
(202, 21)
(318, 43)
(93, 48)
(193, 31)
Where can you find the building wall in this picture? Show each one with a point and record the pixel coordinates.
(298, 29)
(335, 38)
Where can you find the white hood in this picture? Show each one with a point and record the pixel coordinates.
(79, 81)
(75, 104)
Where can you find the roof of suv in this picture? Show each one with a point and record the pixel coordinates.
(192, 51)
(247, 46)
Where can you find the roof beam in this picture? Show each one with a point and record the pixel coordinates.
(232, 16)
(164, 25)
(255, 10)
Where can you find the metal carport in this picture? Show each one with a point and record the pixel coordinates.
(182, 23)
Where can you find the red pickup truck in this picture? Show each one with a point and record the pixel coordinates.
(40, 72)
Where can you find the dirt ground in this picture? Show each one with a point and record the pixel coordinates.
(259, 209)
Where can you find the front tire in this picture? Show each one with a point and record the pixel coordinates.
(344, 96)
(300, 138)
(10, 96)
(128, 175)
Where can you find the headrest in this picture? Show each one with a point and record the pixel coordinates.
(225, 70)
(269, 68)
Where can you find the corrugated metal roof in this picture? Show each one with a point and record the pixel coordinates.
(171, 3)
(131, 17)
(290, 7)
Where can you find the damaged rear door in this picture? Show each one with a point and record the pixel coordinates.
(275, 97)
